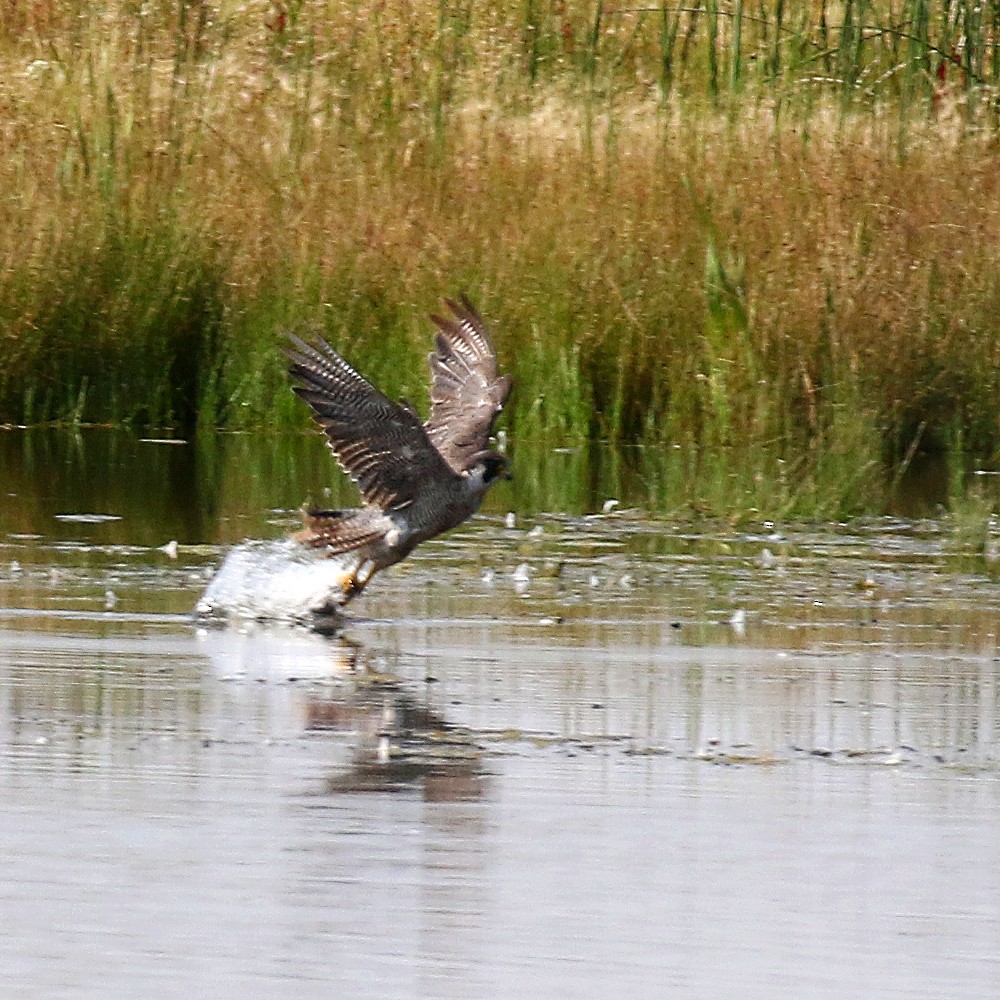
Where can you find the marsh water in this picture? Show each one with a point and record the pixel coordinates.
(573, 753)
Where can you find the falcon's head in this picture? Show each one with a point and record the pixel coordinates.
(486, 467)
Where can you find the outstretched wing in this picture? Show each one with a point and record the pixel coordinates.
(379, 443)
(466, 394)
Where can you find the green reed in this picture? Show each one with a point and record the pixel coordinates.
(738, 235)
(118, 326)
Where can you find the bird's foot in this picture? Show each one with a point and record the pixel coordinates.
(356, 581)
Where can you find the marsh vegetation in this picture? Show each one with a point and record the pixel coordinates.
(761, 237)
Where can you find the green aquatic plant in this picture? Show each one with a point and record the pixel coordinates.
(737, 236)
(973, 541)
(120, 325)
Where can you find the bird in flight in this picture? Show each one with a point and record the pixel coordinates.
(417, 479)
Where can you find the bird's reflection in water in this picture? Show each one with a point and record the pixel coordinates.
(400, 743)
(339, 686)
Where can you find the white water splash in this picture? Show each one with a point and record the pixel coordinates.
(281, 581)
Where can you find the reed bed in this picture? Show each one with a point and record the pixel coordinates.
(758, 240)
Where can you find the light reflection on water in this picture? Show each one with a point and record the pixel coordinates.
(706, 773)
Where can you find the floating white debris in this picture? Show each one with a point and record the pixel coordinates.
(609, 505)
(282, 580)
(510, 521)
(15, 567)
(521, 577)
(501, 441)
(625, 581)
(767, 559)
(595, 580)
(738, 622)
(110, 600)
(536, 532)
(170, 549)
(488, 576)
(87, 518)
(522, 572)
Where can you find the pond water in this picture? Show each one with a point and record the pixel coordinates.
(590, 755)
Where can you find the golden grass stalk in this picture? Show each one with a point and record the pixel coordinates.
(769, 242)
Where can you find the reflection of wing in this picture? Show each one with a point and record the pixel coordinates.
(380, 444)
(466, 394)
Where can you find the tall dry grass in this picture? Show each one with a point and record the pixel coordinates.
(762, 235)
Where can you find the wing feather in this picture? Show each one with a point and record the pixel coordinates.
(466, 392)
(379, 443)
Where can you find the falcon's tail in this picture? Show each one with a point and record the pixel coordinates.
(337, 531)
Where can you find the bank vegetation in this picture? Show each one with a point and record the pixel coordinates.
(764, 238)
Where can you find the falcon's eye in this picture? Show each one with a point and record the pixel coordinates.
(495, 467)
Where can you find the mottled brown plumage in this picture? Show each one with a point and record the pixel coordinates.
(416, 479)
(466, 392)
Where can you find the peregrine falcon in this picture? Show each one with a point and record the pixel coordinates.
(417, 479)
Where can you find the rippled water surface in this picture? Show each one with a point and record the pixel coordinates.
(589, 755)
